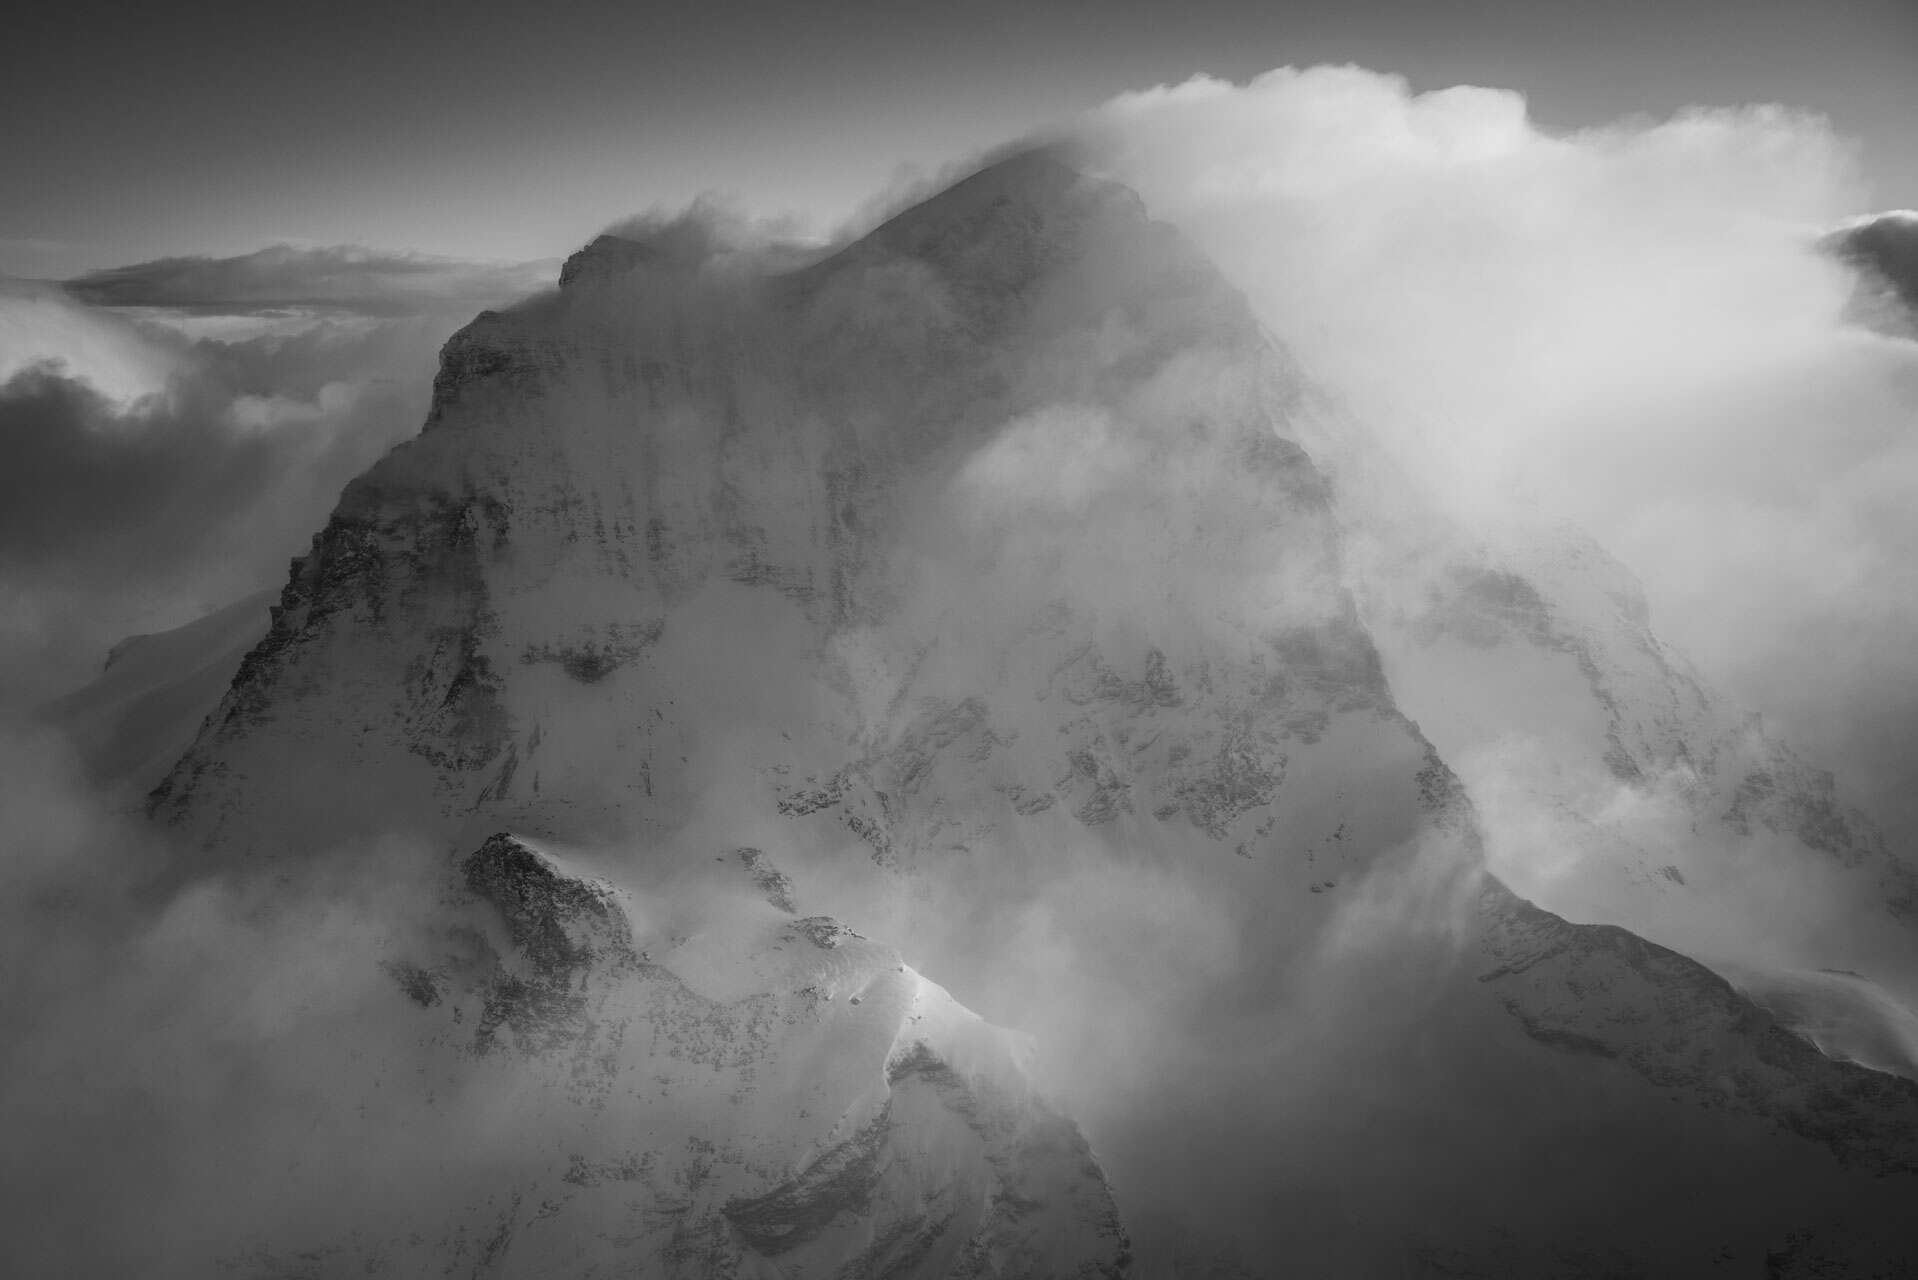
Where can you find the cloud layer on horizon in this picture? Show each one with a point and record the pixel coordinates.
(368, 281)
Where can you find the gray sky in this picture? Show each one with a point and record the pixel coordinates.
(511, 130)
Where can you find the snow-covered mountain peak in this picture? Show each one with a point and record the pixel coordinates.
(740, 645)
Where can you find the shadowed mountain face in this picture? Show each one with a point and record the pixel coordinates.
(1888, 245)
(1884, 250)
(971, 590)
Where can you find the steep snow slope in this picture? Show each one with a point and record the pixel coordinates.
(132, 723)
(971, 579)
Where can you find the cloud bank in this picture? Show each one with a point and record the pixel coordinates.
(1632, 327)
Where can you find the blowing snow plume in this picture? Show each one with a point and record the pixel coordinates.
(908, 761)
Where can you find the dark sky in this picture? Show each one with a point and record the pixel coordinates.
(515, 130)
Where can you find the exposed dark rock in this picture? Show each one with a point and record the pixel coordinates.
(824, 931)
(775, 885)
(591, 661)
(562, 931)
(840, 1181)
(604, 260)
(1244, 774)
(422, 986)
(559, 923)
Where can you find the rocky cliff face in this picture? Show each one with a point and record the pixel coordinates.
(969, 589)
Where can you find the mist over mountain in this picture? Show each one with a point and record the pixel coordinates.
(1025, 743)
(178, 428)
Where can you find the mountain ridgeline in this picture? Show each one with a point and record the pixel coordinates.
(789, 677)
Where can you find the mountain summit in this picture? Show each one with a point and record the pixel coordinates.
(784, 678)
